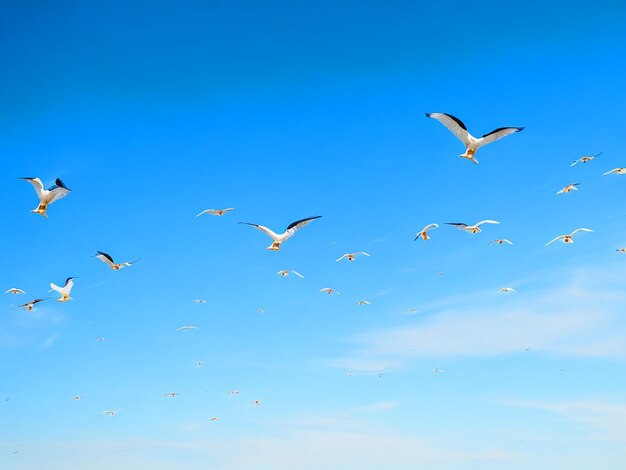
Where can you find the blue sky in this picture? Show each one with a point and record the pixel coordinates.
(154, 111)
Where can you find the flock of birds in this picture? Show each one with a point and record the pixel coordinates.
(59, 190)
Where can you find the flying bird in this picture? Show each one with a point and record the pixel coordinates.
(200, 301)
(256, 403)
(568, 189)
(285, 273)
(100, 339)
(437, 371)
(65, 290)
(329, 291)
(471, 228)
(215, 419)
(352, 256)
(585, 159)
(506, 290)
(569, 238)
(30, 305)
(15, 290)
(617, 171)
(621, 250)
(110, 412)
(77, 397)
(232, 392)
(106, 258)
(424, 233)
(288, 233)
(412, 310)
(456, 126)
(500, 241)
(218, 212)
(186, 328)
(47, 196)
(362, 302)
(172, 395)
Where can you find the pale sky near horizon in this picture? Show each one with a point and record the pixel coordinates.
(151, 112)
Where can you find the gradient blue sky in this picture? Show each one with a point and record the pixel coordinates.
(153, 111)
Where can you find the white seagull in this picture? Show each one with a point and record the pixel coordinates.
(456, 126)
(568, 189)
(362, 302)
(186, 328)
(585, 159)
(233, 392)
(501, 241)
(618, 171)
(110, 412)
(65, 290)
(329, 291)
(424, 233)
(47, 196)
(15, 290)
(471, 228)
(30, 305)
(218, 212)
(506, 290)
(106, 258)
(200, 301)
(352, 256)
(285, 273)
(569, 238)
(621, 250)
(288, 233)
(172, 395)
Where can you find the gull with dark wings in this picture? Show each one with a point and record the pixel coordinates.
(106, 258)
(278, 239)
(47, 196)
(456, 126)
(30, 305)
(471, 228)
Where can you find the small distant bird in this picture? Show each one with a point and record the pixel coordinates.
(200, 301)
(380, 376)
(441, 273)
(47, 196)
(198, 363)
(437, 371)
(15, 290)
(424, 233)
(261, 310)
(621, 250)
(568, 189)
(232, 392)
(586, 159)
(256, 403)
(362, 302)
(100, 339)
(30, 305)
(110, 412)
(106, 258)
(456, 126)
(569, 238)
(506, 290)
(500, 241)
(218, 212)
(352, 256)
(618, 171)
(329, 291)
(77, 397)
(215, 419)
(412, 310)
(285, 273)
(65, 290)
(471, 228)
(288, 233)
(172, 395)
(186, 328)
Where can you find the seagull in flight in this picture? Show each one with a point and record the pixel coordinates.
(218, 212)
(288, 233)
(15, 290)
(585, 159)
(471, 228)
(456, 126)
(352, 256)
(569, 238)
(65, 290)
(329, 291)
(506, 290)
(106, 258)
(568, 189)
(500, 241)
(621, 250)
(215, 419)
(172, 395)
(256, 403)
(233, 392)
(200, 301)
(618, 171)
(362, 302)
(110, 412)
(47, 196)
(424, 233)
(30, 305)
(437, 371)
(77, 398)
(285, 273)
(186, 328)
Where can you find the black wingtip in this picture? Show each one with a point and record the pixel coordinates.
(60, 184)
(427, 114)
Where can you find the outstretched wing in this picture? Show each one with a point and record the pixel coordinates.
(454, 125)
(58, 191)
(297, 225)
(580, 230)
(458, 225)
(486, 222)
(555, 239)
(342, 257)
(263, 229)
(297, 274)
(37, 184)
(104, 257)
(498, 134)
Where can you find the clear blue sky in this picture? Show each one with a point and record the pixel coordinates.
(153, 111)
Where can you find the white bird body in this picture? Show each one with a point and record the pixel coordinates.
(278, 239)
(506, 290)
(329, 291)
(285, 273)
(200, 301)
(456, 126)
(585, 159)
(106, 258)
(424, 232)
(217, 212)
(186, 328)
(352, 256)
(471, 228)
(569, 238)
(501, 241)
(568, 189)
(47, 196)
(15, 290)
(65, 290)
(362, 302)
(618, 171)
